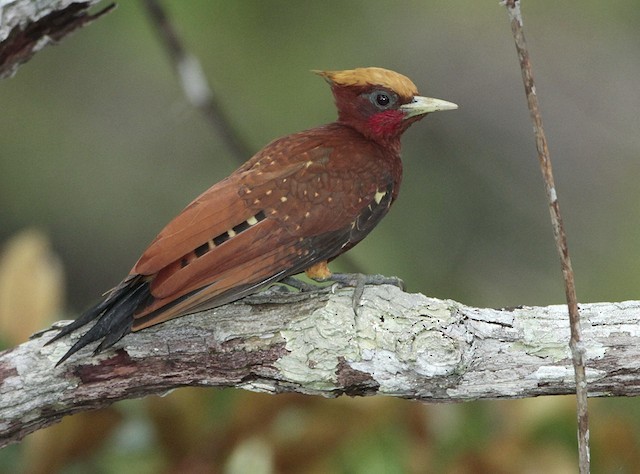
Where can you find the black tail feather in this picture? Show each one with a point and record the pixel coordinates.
(114, 317)
(117, 326)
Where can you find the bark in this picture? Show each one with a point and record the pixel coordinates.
(27, 26)
(399, 344)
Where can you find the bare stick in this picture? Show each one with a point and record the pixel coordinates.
(577, 349)
(194, 82)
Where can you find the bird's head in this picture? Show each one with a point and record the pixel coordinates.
(379, 103)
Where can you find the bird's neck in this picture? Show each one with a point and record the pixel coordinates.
(389, 142)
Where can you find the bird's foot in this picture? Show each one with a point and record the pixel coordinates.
(286, 290)
(358, 281)
(300, 285)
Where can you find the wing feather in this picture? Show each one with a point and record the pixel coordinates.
(230, 285)
(211, 214)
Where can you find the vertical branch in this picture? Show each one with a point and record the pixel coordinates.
(194, 82)
(575, 343)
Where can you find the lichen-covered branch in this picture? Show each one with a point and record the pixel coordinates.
(27, 26)
(399, 344)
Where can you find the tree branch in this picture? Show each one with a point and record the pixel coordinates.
(194, 83)
(27, 26)
(400, 344)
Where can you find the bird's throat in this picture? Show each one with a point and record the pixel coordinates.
(386, 127)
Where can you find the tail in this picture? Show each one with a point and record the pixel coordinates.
(114, 316)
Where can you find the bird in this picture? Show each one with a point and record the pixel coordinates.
(297, 204)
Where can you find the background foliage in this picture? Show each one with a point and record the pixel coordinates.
(99, 150)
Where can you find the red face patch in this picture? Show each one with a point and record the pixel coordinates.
(386, 124)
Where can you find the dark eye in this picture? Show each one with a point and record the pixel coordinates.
(382, 99)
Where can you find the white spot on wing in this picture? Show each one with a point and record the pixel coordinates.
(379, 195)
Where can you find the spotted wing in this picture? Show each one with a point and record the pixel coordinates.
(301, 200)
(281, 215)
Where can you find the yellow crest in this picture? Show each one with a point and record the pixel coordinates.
(372, 76)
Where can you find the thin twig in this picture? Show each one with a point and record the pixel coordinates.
(577, 348)
(194, 82)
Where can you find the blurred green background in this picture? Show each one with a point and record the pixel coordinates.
(99, 149)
